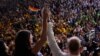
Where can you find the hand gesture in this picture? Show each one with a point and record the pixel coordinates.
(46, 13)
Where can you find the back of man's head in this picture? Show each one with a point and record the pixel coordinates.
(74, 44)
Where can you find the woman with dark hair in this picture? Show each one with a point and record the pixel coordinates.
(22, 43)
(3, 49)
(24, 39)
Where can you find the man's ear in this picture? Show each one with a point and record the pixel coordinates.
(81, 49)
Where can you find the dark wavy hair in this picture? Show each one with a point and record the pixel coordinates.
(22, 44)
(2, 49)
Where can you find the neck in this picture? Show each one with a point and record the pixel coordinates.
(75, 55)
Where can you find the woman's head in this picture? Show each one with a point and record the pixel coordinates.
(23, 40)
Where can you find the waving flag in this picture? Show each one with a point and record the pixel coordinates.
(33, 9)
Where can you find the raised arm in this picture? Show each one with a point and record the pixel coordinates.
(56, 51)
(45, 15)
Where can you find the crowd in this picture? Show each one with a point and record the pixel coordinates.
(70, 18)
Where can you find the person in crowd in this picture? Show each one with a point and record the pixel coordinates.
(96, 45)
(24, 45)
(3, 49)
(74, 44)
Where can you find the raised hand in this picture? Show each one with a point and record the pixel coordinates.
(46, 13)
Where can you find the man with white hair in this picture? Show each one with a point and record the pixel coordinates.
(74, 44)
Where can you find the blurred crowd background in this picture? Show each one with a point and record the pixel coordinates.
(70, 17)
